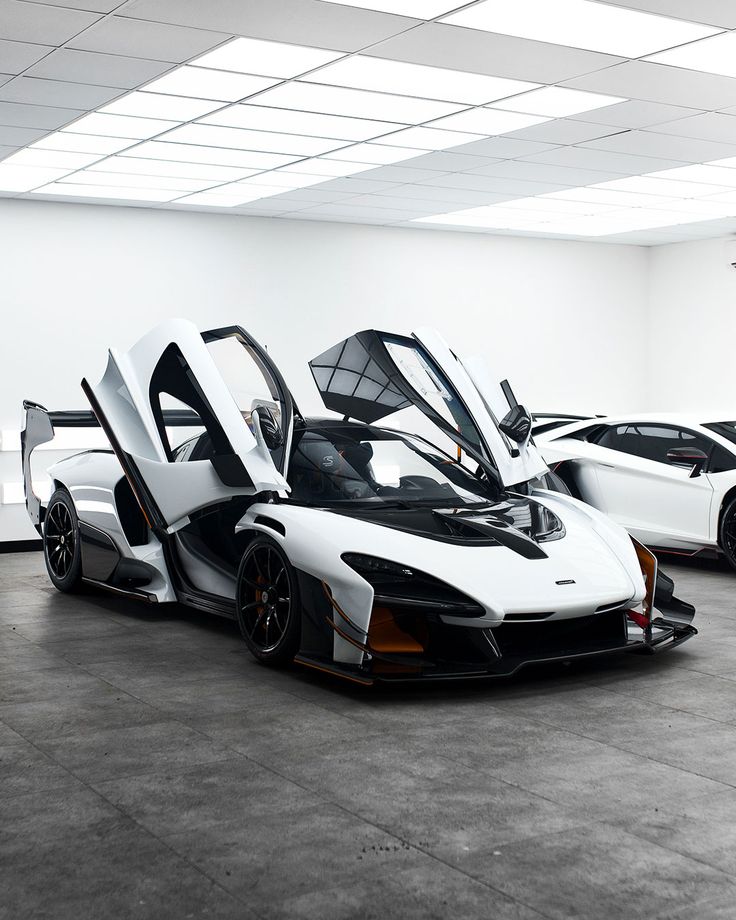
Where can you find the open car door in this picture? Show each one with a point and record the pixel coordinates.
(230, 388)
(374, 374)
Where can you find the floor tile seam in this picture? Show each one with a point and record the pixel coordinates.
(616, 747)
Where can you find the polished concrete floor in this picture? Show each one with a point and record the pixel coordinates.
(150, 769)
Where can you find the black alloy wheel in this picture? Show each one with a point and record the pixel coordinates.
(727, 532)
(61, 544)
(267, 602)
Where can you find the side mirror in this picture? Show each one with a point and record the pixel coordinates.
(273, 436)
(689, 457)
(516, 424)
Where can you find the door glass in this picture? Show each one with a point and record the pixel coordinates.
(430, 383)
(248, 381)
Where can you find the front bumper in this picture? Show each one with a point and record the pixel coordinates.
(490, 654)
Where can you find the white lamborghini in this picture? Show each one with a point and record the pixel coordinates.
(670, 480)
(366, 551)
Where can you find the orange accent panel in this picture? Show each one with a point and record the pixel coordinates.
(385, 635)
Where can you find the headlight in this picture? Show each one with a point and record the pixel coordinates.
(399, 585)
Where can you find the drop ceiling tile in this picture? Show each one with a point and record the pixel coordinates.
(399, 174)
(510, 188)
(49, 25)
(492, 54)
(503, 148)
(56, 93)
(153, 40)
(421, 205)
(363, 213)
(455, 197)
(710, 126)
(6, 151)
(712, 12)
(100, 69)
(635, 114)
(5, 78)
(316, 195)
(15, 57)
(35, 116)
(448, 161)
(94, 6)
(539, 172)
(305, 22)
(19, 137)
(564, 131)
(602, 160)
(355, 186)
(659, 83)
(646, 143)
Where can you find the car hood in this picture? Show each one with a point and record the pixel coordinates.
(593, 566)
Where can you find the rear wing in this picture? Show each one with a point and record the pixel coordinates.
(40, 425)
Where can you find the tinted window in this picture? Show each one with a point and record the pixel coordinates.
(651, 442)
(721, 460)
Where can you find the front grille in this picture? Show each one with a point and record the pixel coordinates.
(556, 638)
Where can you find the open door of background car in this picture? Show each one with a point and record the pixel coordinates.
(373, 374)
(233, 391)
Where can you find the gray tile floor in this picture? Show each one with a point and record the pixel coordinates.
(150, 769)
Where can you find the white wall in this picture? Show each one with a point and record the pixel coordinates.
(692, 334)
(554, 316)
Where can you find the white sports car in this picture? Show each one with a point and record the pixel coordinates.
(670, 480)
(360, 550)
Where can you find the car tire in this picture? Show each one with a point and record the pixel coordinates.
(62, 550)
(727, 532)
(267, 603)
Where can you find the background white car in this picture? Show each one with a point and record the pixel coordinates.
(670, 480)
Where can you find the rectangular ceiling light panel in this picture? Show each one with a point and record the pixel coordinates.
(261, 118)
(581, 24)
(53, 159)
(489, 122)
(557, 102)
(241, 139)
(218, 85)
(429, 138)
(385, 76)
(194, 153)
(378, 154)
(83, 143)
(152, 167)
(330, 169)
(418, 9)
(135, 180)
(26, 178)
(356, 103)
(120, 126)
(160, 105)
(106, 192)
(268, 59)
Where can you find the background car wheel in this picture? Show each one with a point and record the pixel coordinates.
(727, 532)
(61, 545)
(268, 603)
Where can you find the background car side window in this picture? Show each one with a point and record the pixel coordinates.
(651, 442)
(721, 460)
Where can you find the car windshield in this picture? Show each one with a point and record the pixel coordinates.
(362, 465)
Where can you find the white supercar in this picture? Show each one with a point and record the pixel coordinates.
(369, 552)
(669, 479)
